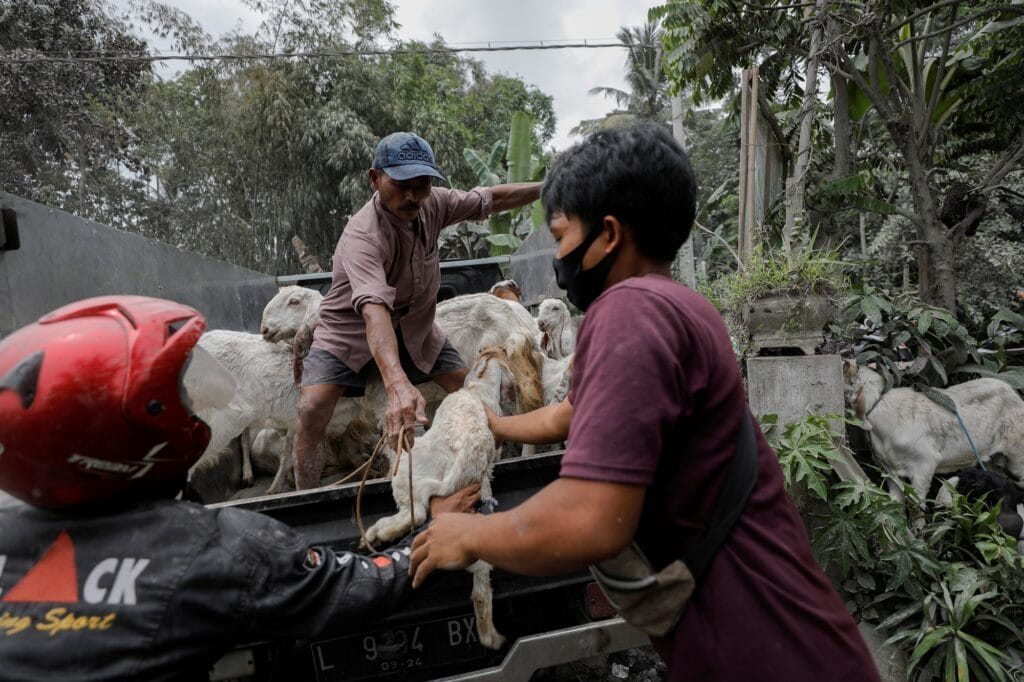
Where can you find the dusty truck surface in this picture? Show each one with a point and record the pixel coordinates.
(49, 258)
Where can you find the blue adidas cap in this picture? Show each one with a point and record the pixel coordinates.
(405, 155)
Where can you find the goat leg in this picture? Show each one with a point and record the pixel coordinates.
(483, 606)
(247, 475)
(280, 481)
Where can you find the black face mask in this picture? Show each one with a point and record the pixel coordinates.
(583, 286)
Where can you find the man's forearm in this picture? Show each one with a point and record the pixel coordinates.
(514, 195)
(380, 336)
(558, 530)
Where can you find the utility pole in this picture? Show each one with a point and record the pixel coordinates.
(684, 259)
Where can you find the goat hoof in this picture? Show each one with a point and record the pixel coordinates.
(492, 640)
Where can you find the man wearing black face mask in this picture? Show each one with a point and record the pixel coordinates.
(658, 418)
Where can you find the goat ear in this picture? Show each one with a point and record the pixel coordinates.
(860, 408)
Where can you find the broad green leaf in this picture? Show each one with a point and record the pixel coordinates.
(520, 147)
(497, 154)
(1005, 315)
(484, 174)
(962, 672)
(537, 215)
(986, 652)
(949, 665)
(924, 322)
(873, 205)
(931, 640)
(899, 617)
(506, 240)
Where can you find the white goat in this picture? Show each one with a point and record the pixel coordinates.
(914, 438)
(506, 289)
(558, 334)
(291, 316)
(470, 322)
(271, 452)
(266, 393)
(458, 450)
(475, 321)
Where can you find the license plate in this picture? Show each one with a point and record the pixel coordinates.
(405, 648)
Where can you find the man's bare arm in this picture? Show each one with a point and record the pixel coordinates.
(569, 524)
(514, 195)
(405, 406)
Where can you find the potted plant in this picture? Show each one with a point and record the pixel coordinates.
(784, 300)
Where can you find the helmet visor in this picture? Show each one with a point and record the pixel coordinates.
(206, 386)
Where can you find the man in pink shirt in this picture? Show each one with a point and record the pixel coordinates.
(380, 309)
(654, 420)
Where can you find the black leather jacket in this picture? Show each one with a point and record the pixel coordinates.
(160, 590)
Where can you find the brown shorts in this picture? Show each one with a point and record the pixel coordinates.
(321, 367)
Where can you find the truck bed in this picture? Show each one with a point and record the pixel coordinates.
(546, 621)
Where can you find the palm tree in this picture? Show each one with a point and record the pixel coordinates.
(646, 98)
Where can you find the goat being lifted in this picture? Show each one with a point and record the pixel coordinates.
(457, 450)
(914, 438)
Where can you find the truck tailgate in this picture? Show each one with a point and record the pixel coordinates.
(434, 634)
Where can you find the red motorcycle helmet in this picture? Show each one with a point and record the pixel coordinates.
(97, 400)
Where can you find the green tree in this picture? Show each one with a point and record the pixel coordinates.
(921, 79)
(62, 132)
(244, 154)
(515, 160)
(646, 97)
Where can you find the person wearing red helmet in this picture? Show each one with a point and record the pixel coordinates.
(103, 573)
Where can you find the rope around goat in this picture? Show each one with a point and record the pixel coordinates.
(367, 466)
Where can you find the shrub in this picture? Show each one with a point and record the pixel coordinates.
(947, 590)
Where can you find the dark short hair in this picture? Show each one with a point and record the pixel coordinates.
(638, 174)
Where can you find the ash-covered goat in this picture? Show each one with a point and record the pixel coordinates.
(913, 437)
(458, 450)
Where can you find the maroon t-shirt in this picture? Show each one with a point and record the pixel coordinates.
(657, 401)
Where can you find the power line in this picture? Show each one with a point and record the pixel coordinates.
(136, 57)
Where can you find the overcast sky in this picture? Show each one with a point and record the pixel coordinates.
(566, 75)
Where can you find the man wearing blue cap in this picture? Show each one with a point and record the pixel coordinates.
(382, 301)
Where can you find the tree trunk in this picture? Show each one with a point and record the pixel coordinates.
(797, 184)
(684, 259)
(936, 277)
(841, 130)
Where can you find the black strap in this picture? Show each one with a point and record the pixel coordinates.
(731, 501)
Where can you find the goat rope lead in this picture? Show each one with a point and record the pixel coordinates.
(366, 472)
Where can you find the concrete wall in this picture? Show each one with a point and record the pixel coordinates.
(818, 379)
(795, 386)
(63, 258)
